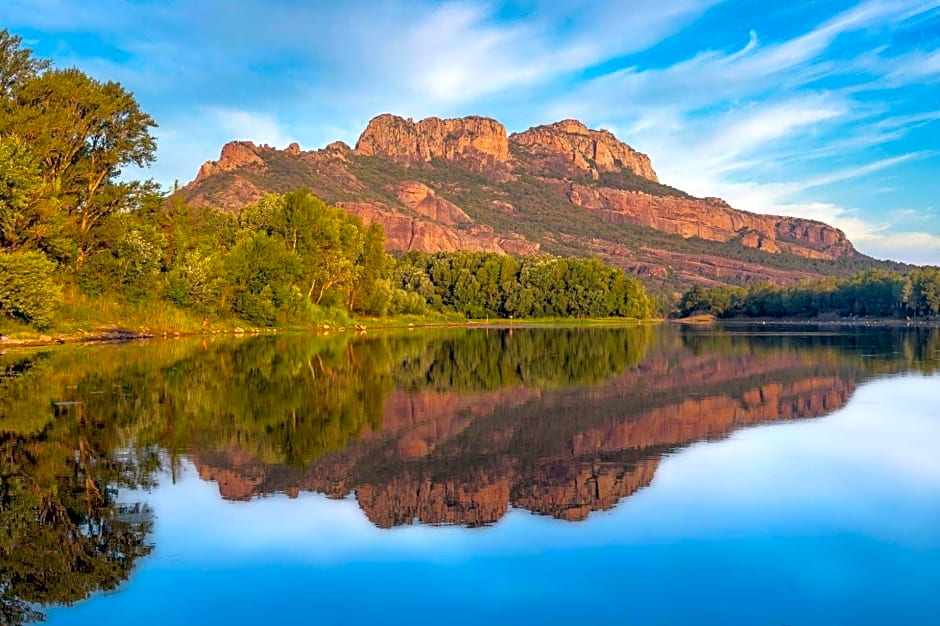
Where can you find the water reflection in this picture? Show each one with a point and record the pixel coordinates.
(448, 427)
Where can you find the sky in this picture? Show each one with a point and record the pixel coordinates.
(827, 109)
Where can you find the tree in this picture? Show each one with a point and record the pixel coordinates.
(922, 293)
(371, 292)
(261, 272)
(338, 255)
(17, 64)
(81, 132)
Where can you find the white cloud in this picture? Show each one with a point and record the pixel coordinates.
(700, 155)
(248, 125)
(755, 127)
(187, 142)
(913, 247)
(861, 170)
(713, 76)
(872, 238)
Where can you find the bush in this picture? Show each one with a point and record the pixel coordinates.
(27, 289)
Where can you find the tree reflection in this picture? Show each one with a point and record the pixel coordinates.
(63, 532)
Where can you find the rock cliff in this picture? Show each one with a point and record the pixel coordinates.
(711, 219)
(571, 147)
(477, 142)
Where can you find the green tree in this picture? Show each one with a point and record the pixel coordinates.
(81, 132)
(28, 290)
(327, 241)
(17, 64)
(261, 272)
(922, 293)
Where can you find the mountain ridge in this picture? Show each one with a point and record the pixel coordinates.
(466, 184)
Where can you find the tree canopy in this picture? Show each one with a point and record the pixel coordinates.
(875, 293)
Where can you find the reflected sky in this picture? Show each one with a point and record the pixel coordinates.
(825, 521)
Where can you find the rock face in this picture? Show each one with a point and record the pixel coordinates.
(421, 199)
(572, 147)
(477, 142)
(463, 184)
(711, 219)
(235, 155)
(404, 233)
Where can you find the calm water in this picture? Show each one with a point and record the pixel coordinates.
(631, 476)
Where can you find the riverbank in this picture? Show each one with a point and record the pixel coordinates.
(27, 337)
(24, 336)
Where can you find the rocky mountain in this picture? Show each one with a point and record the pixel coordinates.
(465, 184)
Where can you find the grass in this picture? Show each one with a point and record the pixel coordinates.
(78, 315)
(455, 319)
(82, 317)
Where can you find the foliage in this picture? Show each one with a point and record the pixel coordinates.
(874, 293)
(28, 290)
(17, 64)
(20, 182)
(481, 285)
(106, 130)
(262, 273)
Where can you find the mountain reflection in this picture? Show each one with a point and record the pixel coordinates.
(441, 427)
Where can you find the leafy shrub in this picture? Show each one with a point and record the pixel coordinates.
(28, 291)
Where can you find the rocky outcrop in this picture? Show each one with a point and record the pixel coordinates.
(421, 199)
(404, 233)
(571, 147)
(475, 499)
(711, 219)
(573, 491)
(477, 142)
(235, 155)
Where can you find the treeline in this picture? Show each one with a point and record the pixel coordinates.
(74, 234)
(481, 285)
(875, 293)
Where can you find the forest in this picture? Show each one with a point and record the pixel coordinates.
(81, 244)
(871, 294)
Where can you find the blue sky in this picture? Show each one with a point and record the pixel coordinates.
(827, 109)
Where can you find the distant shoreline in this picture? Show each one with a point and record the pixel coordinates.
(886, 322)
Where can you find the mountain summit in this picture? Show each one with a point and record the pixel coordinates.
(452, 184)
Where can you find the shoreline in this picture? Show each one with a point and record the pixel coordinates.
(122, 335)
